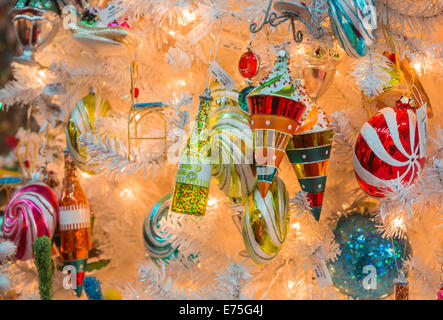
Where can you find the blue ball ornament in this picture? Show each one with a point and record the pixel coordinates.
(367, 264)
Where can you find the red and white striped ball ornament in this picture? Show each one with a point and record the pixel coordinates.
(390, 146)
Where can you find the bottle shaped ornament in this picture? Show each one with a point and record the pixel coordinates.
(401, 287)
(75, 224)
(194, 173)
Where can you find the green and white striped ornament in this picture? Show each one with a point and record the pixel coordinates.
(232, 151)
(222, 96)
(265, 222)
(81, 120)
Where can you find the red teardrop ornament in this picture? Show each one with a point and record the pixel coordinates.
(248, 65)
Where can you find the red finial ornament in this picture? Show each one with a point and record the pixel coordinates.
(249, 64)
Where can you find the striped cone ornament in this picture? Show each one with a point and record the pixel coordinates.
(276, 106)
(265, 222)
(32, 212)
(391, 145)
(81, 120)
(309, 152)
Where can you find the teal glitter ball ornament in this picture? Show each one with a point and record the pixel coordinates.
(367, 264)
(157, 243)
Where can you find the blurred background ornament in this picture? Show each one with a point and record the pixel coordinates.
(158, 244)
(368, 263)
(7, 185)
(112, 294)
(231, 151)
(81, 120)
(11, 294)
(32, 212)
(106, 37)
(28, 157)
(318, 68)
(276, 106)
(36, 22)
(354, 24)
(395, 89)
(390, 146)
(265, 222)
(309, 152)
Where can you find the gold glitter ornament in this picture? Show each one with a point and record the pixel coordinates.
(81, 120)
(191, 190)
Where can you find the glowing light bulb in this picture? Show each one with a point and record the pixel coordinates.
(212, 202)
(417, 67)
(182, 82)
(295, 226)
(41, 75)
(172, 33)
(398, 223)
(291, 284)
(85, 174)
(187, 17)
(127, 194)
(300, 50)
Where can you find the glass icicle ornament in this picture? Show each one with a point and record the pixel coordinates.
(401, 287)
(75, 224)
(194, 173)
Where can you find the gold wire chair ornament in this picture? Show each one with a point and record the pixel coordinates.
(139, 111)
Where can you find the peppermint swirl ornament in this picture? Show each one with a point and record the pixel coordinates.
(265, 222)
(32, 212)
(391, 145)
